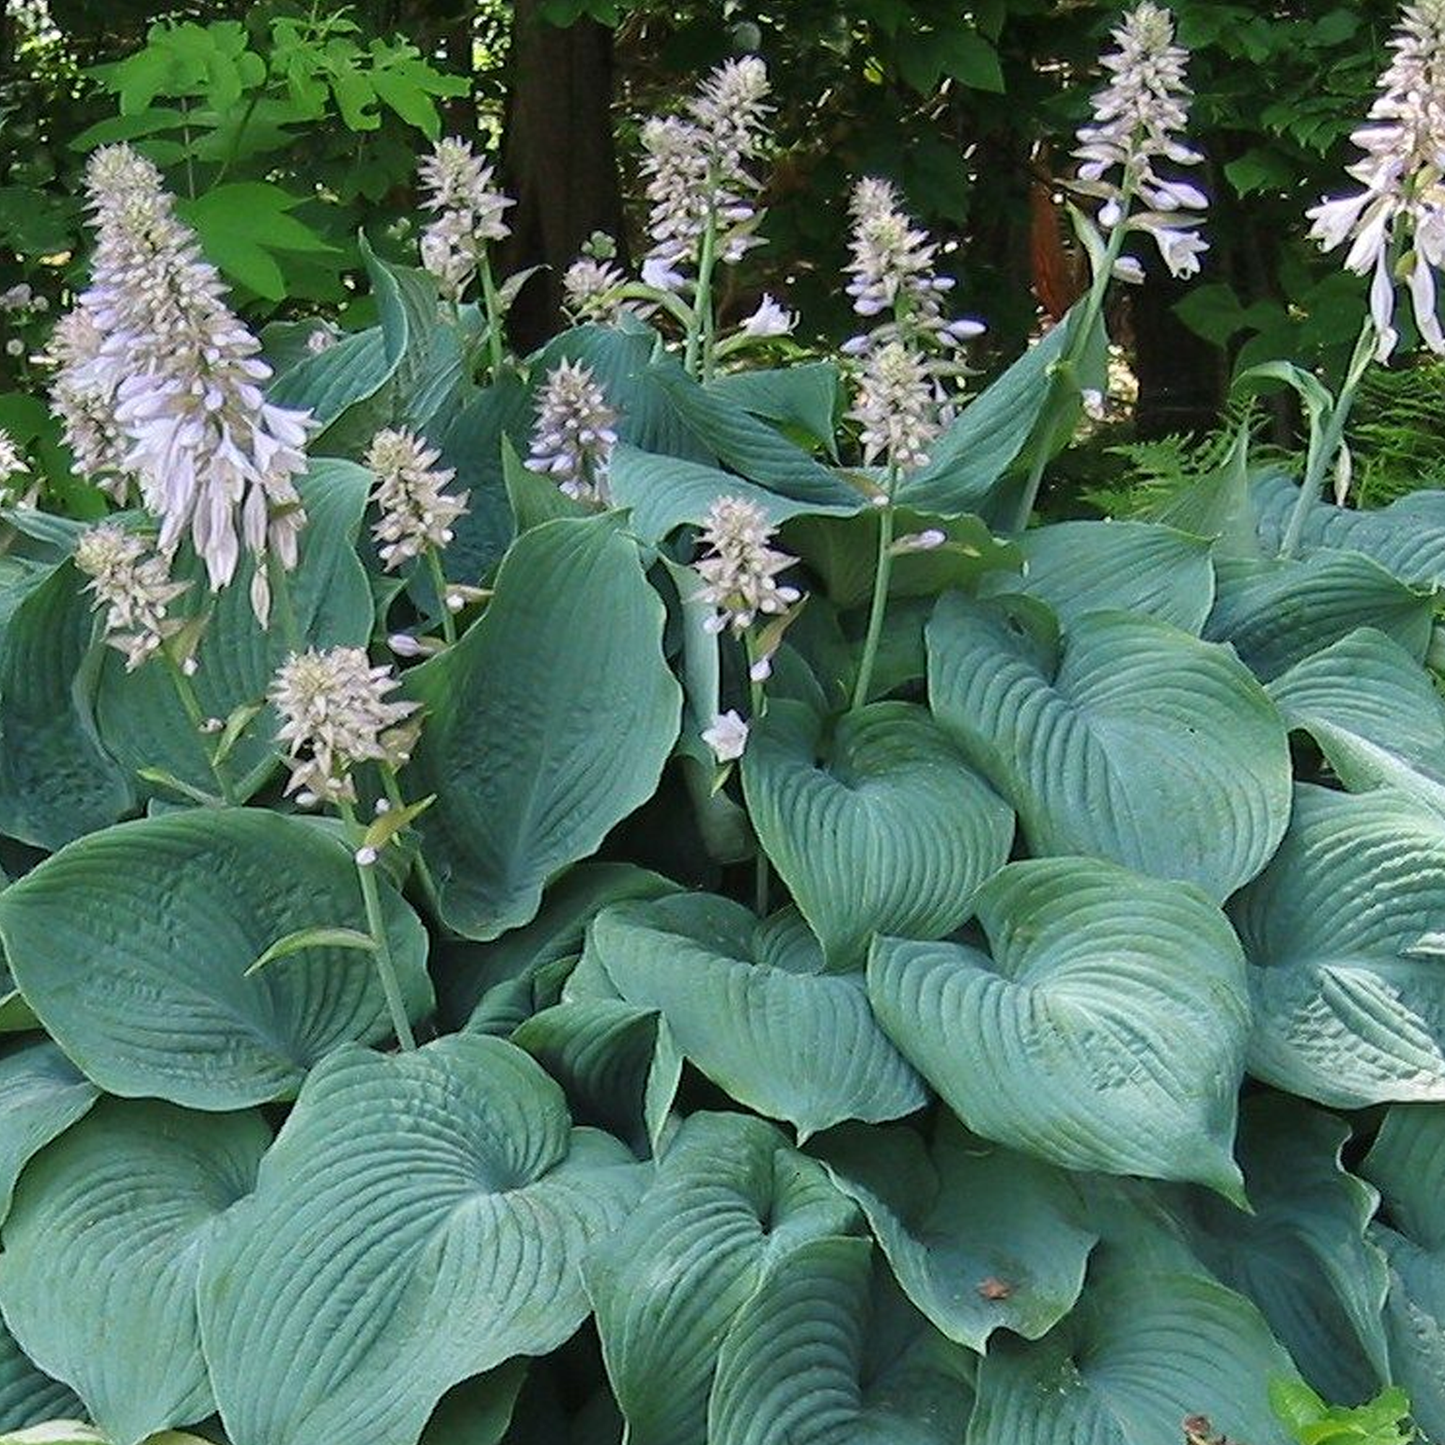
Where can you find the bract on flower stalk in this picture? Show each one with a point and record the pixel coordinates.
(1396, 223)
(416, 512)
(335, 714)
(468, 214)
(741, 568)
(575, 432)
(133, 584)
(1137, 121)
(161, 382)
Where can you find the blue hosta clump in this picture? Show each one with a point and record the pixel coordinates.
(625, 894)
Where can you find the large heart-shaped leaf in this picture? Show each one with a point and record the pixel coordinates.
(803, 397)
(888, 804)
(1106, 1029)
(41, 1095)
(1126, 738)
(548, 723)
(829, 1352)
(420, 1218)
(121, 1209)
(132, 946)
(730, 1201)
(766, 1024)
(1146, 1349)
(1302, 1255)
(981, 1238)
(28, 1397)
(1343, 932)
(1407, 1163)
(1371, 708)
(56, 782)
(1081, 567)
(1278, 613)
(142, 721)
(1407, 538)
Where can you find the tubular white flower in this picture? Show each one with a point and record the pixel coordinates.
(133, 584)
(334, 715)
(741, 568)
(416, 511)
(180, 378)
(770, 319)
(12, 460)
(896, 407)
(1138, 118)
(727, 736)
(1396, 223)
(469, 214)
(697, 172)
(575, 433)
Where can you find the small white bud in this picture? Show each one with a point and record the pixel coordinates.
(383, 805)
(762, 669)
(212, 726)
(455, 601)
(365, 857)
(190, 667)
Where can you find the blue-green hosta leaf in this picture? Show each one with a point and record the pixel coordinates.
(974, 454)
(1141, 567)
(729, 1202)
(1104, 1030)
(662, 493)
(41, 1095)
(1126, 738)
(830, 1352)
(1407, 1164)
(981, 1238)
(466, 971)
(1145, 1348)
(28, 1397)
(1302, 1256)
(1342, 932)
(141, 719)
(1407, 538)
(616, 1062)
(56, 781)
(1276, 613)
(132, 946)
(1374, 713)
(548, 723)
(478, 1411)
(803, 397)
(882, 829)
(329, 382)
(769, 1026)
(121, 1209)
(421, 1218)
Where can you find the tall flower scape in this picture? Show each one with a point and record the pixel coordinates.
(785, 944)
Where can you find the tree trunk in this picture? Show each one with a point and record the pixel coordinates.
(558, 159)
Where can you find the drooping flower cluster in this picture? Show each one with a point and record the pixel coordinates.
(417, 512)
(741, 567)
(468, 214)
(575, 433)
(12, 460)
(697, 173)
(1396, 224)
(161, 382)
(133, 584)
(334, 715)
(896, 408)
(1138, 117)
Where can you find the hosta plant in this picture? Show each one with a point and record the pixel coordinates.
(622, 894)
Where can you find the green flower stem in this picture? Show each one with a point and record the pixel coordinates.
(882, 576)
(376, 925)
(1063, 379)
(196, 714)
(492, 304)
(1325, 446)
(701, 337)
(760, 861)
(439, 583)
